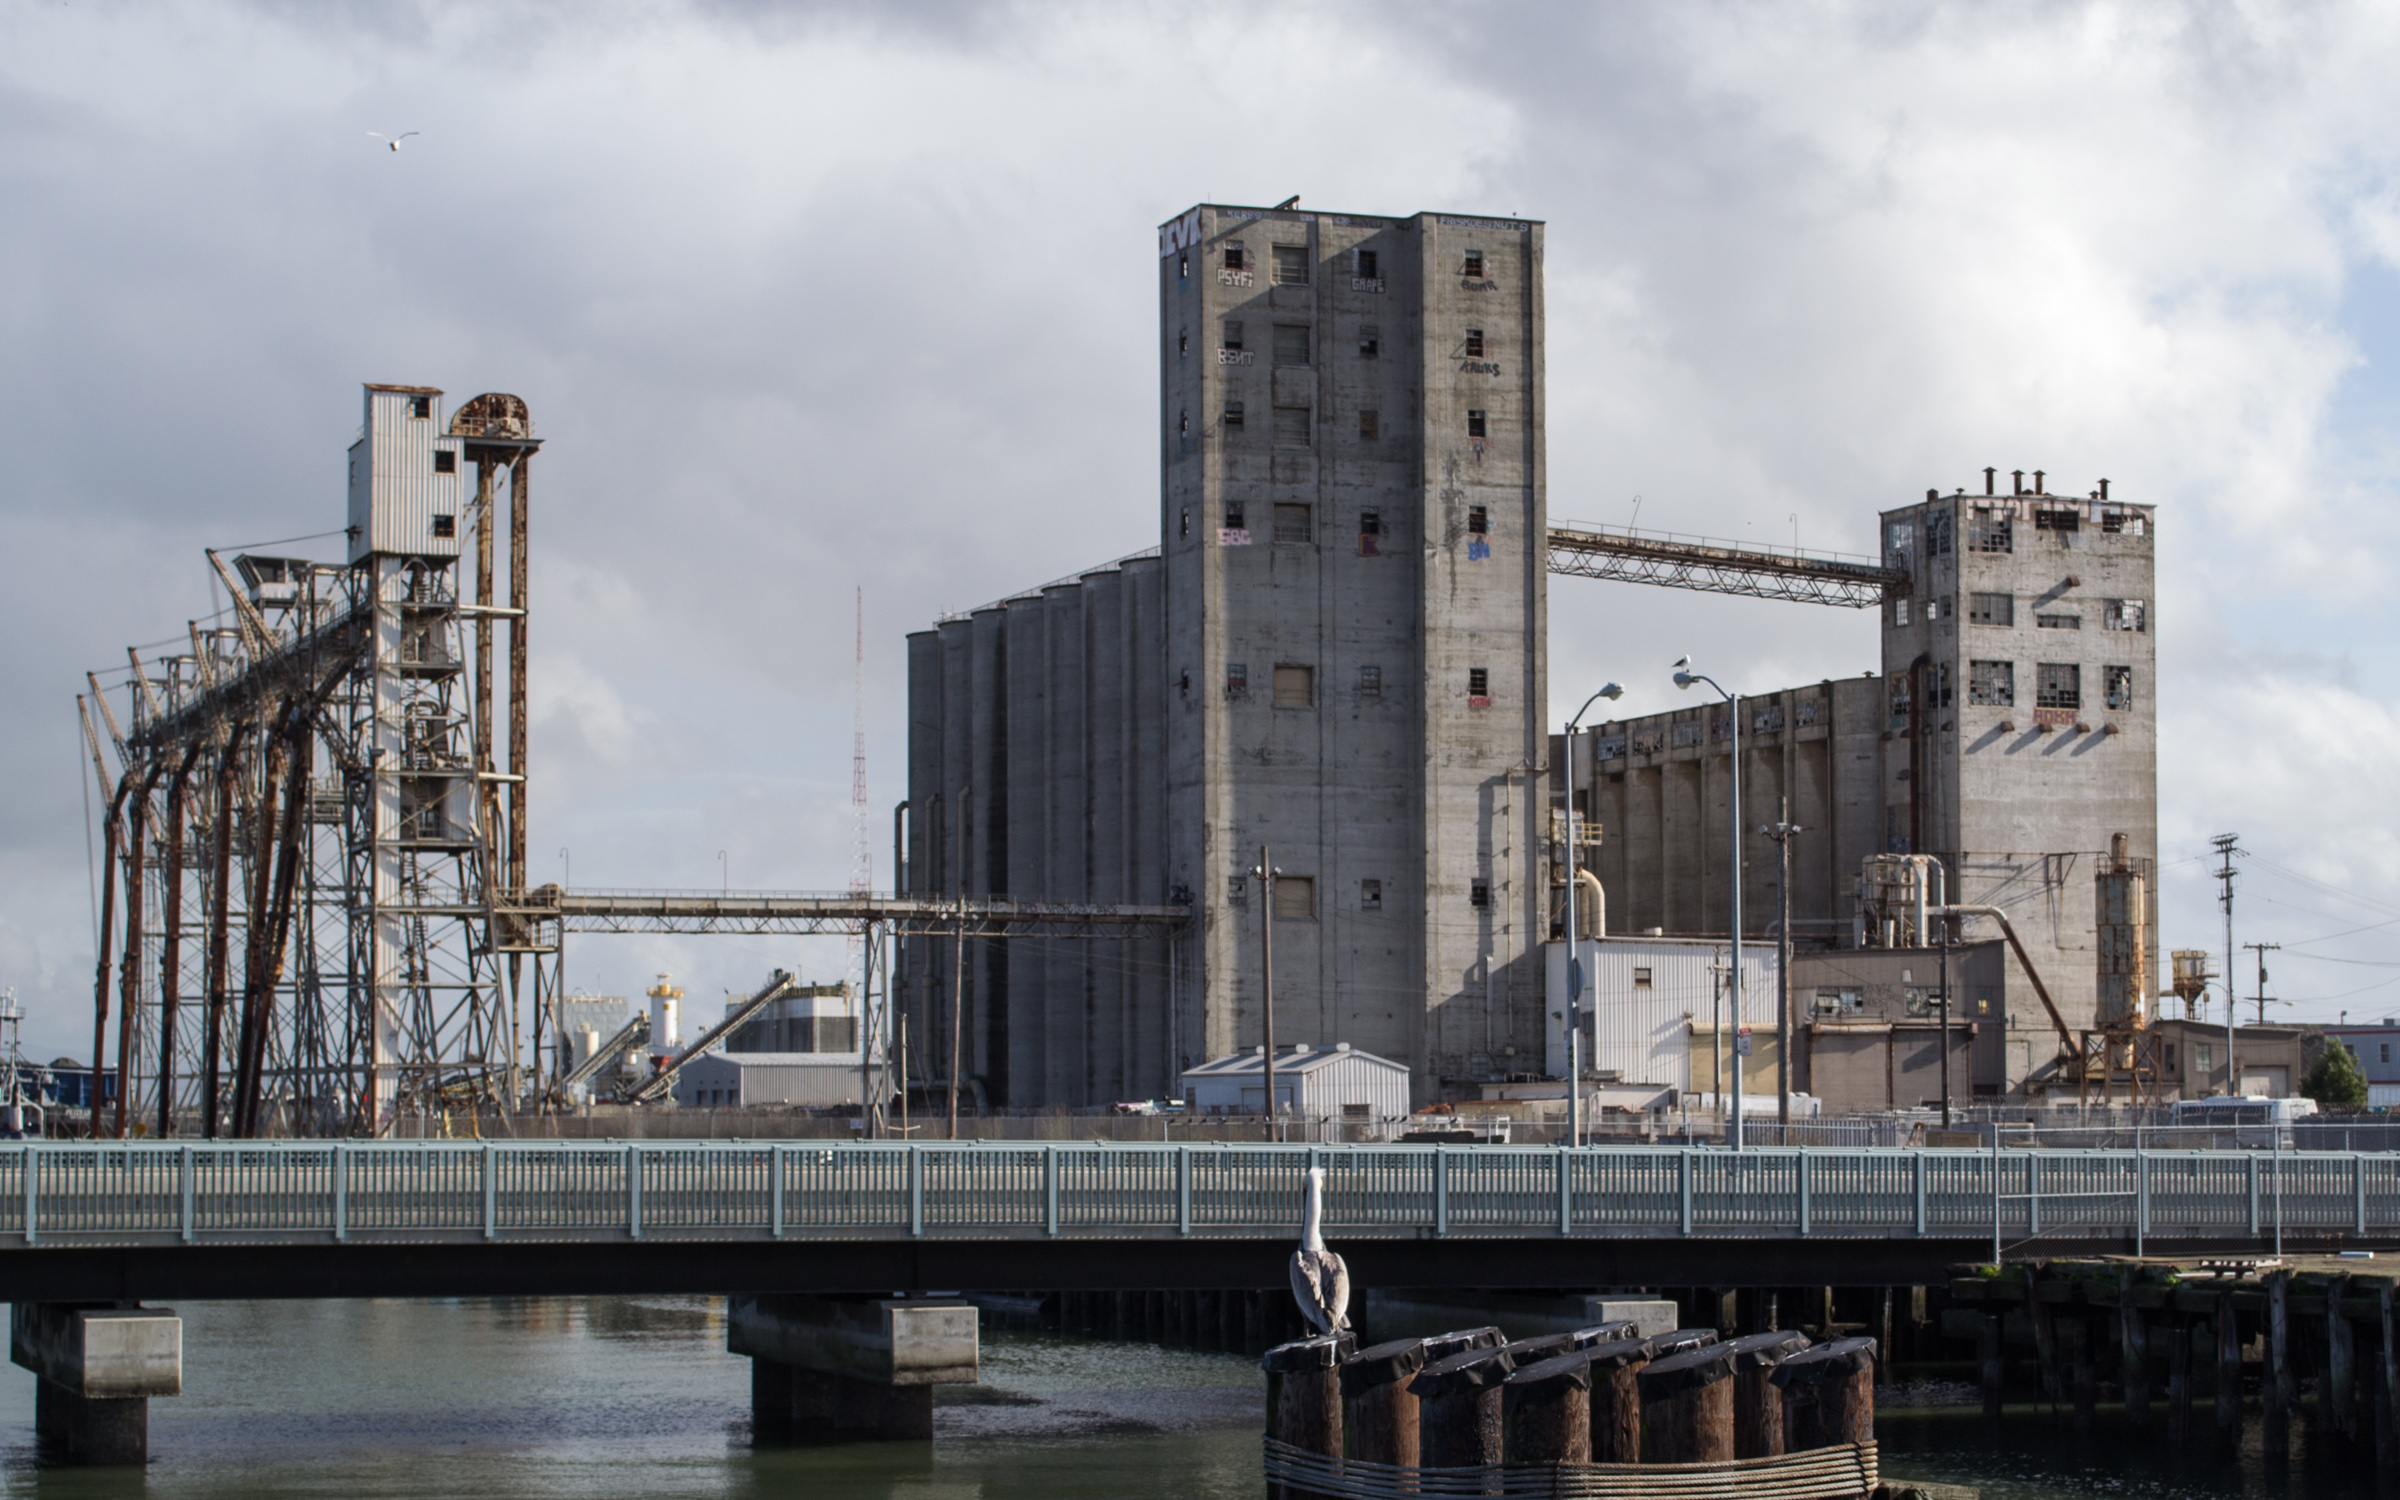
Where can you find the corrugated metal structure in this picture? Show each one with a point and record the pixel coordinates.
(1311, 1083)
(1651, 1003)
(738, 1080)
(404, 477)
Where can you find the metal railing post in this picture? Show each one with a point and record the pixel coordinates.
(2033, 1195)
(916, 1191)
(1050, 1190)
(2251, 1163)
(341, 1193)
(1566, 1204)
(633, 1191)
(1441, 1192)
(185, 1172)
(1804, 1187)
(1183, 1190)
(33, 1191)
(1684, 1186)
(491, 1193)
(2141, 1207)
(2358, 1195)
(1917, 1172)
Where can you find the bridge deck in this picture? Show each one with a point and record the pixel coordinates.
(186, 1196)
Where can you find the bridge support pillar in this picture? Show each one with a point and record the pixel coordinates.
(849, 1369)
(98, 1367)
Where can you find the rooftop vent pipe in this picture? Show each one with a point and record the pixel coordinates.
(2104, 489)
(2017, 479)
(1987, 481)
(2037, 482)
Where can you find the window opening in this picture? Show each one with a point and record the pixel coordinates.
(420, 406)
(1183, 342)
(1641, 979)
(1291, 426)
(2118, 682)
(1370, 341)
(1987, 532)
(2125, 614)
(1365, 266)
(1234, 260)
(1291, 343)
(1292, 523)
(1475, 343)
(1479, 687)
(1991, 609)
(1234, 516)
(1475, 424)
(1295, 898)
(1839, 1002)
(2058, 685)
(1233, 416)
(2057, 518)
(1480, 894)
(1183, 268)
(1900, 610)
(1370, 895)
(1237, 889)
(1370, 682)
(445, 525)
(1937, 685)
(1370, 522)
(1369, 427)
(1237, 680)
(1474, 264)
(1295, 686)
(1233, 334)
(445, 461)
(1291, 265)
(1183, 525)
(2059, 621)
(1992, 683)
(1183, 424)
(1937, 533)
(1479, 521)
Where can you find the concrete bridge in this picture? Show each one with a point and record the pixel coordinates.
(129, 1221)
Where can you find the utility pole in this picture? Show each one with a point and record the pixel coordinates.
(1782, 831)
(1945, 997)
(1266, 873)
(2262, 950)
(2226, 844)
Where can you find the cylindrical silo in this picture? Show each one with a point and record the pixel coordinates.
(1104, 830)
(1017, 1013)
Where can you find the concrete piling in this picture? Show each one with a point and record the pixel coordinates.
(96, 1369)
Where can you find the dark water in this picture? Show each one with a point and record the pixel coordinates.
(637, 1397)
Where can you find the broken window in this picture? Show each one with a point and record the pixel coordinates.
(1479, 521)
(1933, 610)
(1370, 523)
(1370, 895)
(1291, 265)
(1992, 683)
(1475, 424)
(1370, 681)
(2128, 522)
(1937, 685)
(1234, 259)
(1236, 516)
(1291, 343)
(2058, 684)
(1937, 533)
(1292, 523)
(2058, 621)
(1295, 686)
(2057, 518)
(1689, 733)
(1291, 426)
(2125, 614)
(1991, 609)
(1479, 687)
(1899, 545)
(1237, 679)
(1237, 889)
(1295, 898)
(1479, 894)
(1840, 1002)
(1369, 427)
(445, 461)
(2119, 684)
(1474, 264)
(1809, 708)
(445, 525)
(1365, 267)
(1987, 532)
(1233, 334)
(420, 406)
(1233, 416)
(1474, 343)
(1370, 341)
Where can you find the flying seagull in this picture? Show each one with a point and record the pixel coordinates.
(1320, 1282)
(394, 140)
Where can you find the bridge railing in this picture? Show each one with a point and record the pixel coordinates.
(80, 1193)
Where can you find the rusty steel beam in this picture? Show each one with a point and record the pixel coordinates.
(1721, 568)
(170, 954)
(220, 902)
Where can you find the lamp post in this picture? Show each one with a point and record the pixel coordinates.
(1575, 954)
(1783, 830)
(1684, 678)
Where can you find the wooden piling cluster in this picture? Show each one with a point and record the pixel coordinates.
(2183, 1332)
(1599, 1398)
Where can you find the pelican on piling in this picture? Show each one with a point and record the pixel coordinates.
(1320, 1282)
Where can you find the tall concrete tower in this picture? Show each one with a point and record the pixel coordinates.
(1353, 527)
(2023, 735)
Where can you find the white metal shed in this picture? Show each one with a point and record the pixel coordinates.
(734, 1080)
(1311, 1083)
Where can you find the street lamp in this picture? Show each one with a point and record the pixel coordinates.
(1684, 678)
(1575, 954)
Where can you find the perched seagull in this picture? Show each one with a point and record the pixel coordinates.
(1320, 1282)
(394, 140)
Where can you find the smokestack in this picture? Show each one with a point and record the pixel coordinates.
(2016, 481)
(2104, 489)
(2037, 482)
(1987, 481)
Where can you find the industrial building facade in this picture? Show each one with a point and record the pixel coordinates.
(2011, 734)
(1335, 653)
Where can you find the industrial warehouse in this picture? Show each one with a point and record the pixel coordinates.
(1334, 662)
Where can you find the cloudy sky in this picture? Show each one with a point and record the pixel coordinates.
(814, 299)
